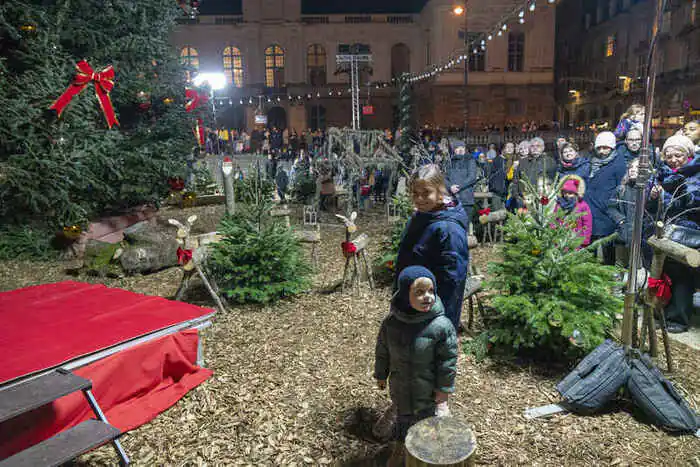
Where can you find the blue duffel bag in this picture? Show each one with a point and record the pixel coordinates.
(596, 380)
(658, 399)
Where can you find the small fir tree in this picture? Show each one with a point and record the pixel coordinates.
(550, 294)
(259, 259)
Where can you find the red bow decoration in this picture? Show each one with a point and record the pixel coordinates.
(194, 99)
(349, 248)
(176, 183)
(662, 286)
(183, 256)
(104, 83)
(484, 212)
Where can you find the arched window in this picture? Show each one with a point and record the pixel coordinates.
(316, 64)
(400, 60)
(233, 66)
(274, 66)
(189, 57)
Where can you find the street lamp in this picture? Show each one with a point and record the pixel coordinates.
(461, 10)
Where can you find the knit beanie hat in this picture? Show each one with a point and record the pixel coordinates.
(458, 144)
(606, 139)
(681, 142)
(406, 278)
(571, 186)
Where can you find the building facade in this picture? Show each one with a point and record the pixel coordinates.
(602, 56)
(279, 57)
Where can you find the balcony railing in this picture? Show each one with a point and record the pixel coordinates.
(358, 19)
(315, 19)
(399, 19)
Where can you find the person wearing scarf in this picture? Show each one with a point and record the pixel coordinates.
(570, 202)
(606, 173)
(570, 163)
(679, 186)
(416, 352)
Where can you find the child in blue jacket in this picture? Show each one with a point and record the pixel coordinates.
(436, 238)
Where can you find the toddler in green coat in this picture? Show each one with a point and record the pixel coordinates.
(416, 351)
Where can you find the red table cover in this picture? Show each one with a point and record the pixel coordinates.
(47, 325)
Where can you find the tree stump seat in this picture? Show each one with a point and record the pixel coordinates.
(443, 441)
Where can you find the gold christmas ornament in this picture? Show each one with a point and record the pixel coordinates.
(536, 252)
(168, 100)
(27, 28)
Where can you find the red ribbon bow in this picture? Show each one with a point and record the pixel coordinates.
(662, 286)
(194, 99)
(485, 212)
(349, 248)
(104, 83)
(183, 256)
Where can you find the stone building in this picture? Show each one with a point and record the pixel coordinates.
(602, 54)
(280, 60)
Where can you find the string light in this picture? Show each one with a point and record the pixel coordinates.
(479, 42)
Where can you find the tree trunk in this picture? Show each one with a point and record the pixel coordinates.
(680, 253)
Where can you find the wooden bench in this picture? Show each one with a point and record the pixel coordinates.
(17, 399)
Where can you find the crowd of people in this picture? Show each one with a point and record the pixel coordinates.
(416, 346)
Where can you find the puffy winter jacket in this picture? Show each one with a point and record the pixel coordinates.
(584, 223)
(463, 172)
(682, 193)
(438, 241)
(417, 352)
(600, 190)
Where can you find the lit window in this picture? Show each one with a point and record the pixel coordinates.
(274, 66)
(233, 66)
(189, 57)
(610, 46)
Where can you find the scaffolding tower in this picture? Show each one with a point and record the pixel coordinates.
(350, 63)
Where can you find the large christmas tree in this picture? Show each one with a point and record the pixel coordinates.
(57, 172)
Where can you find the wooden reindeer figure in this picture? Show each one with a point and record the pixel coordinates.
(190, 255)
(355, 250)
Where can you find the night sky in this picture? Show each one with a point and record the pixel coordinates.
(315, 7)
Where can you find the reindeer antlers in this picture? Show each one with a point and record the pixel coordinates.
(348, 222)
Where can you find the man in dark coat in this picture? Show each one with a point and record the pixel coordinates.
(462, 176)
(607, 170)
(539, 168)
(282, 181)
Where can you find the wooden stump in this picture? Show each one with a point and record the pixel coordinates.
(443, 441)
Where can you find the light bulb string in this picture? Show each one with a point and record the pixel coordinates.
(478, 42)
